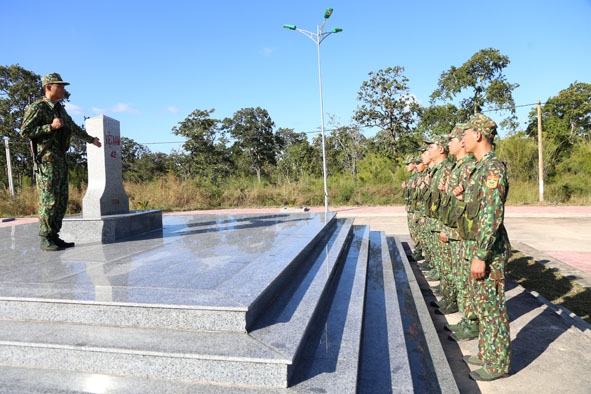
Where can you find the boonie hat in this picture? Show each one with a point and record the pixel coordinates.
(53, 78)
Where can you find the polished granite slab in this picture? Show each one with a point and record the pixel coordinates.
(205, 260)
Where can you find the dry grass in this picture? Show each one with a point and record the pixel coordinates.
(534, 276)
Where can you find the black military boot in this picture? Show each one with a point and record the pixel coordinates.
(48, 244)
(63, 244)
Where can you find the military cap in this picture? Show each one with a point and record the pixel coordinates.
(483, 124)
(439, 140)
(417, 159)
(53, 78)
(423, 148)
(409, 159)
(458, 130)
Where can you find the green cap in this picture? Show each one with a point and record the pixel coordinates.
(458, 130)
(439, 140)
(483, 124)
(417, 159)
(53, 78)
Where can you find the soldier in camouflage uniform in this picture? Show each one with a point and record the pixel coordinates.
(422, 187)
(409, 194)
(417, 213)
(468, 327)
(438, 152)
(484, 197)
(50, 128)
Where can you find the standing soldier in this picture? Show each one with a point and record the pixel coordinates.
(467, 328)
(422, 185)
(438, 151)
(484, 197)
(407, 193)
(50, 128)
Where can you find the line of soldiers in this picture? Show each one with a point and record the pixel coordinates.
(455, 217)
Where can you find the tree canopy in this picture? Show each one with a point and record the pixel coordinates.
(481, 85)
(386, 103)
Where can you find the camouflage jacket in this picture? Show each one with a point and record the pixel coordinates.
(420, 185)
(409, 190)
(460, 172)
(458, 175)
(438, 173)
(51, 144)
(487, 188)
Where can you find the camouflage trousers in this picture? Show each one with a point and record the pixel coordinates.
(450, 268)
(422, 236)
(429, 242)
(52, 182)
(494, 341)
(412, 226)
(465, 288)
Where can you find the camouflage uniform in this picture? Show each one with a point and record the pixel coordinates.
(441, 251)
(52, 145)
(482, 223)
(460, 249)
(422, 186)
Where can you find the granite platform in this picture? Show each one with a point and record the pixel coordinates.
(286, 302)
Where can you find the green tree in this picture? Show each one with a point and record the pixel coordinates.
(520, 153)
(441, 119)
(388, 105)
(255, 142)
(346, 146)
(207, 154)
(296, 155)
(566, 120)
(18, 89)
(139, 164)
(481, 86)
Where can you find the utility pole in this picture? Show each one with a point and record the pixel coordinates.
(540, 158)
(9, 167)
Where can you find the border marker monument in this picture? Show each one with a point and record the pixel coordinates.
(106, 216)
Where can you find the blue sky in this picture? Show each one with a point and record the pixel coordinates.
(149, 64)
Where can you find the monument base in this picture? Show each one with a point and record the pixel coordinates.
(110, 228)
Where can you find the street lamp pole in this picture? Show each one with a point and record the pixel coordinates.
(318, 37)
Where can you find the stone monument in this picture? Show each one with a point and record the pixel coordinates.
(106, 216)
(105, 194)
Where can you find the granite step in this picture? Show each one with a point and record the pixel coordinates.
(266, 357)
(365, 336)
(196, 356)
(293, 315)
(231, 306)
(384, 362)
(330, 359)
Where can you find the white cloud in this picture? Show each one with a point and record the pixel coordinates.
(117, 108)
(74, 109)
(173, 109)
(123, 107)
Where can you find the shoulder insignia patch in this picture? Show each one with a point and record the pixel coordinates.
(492, 181)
